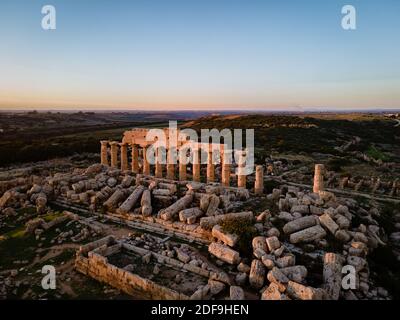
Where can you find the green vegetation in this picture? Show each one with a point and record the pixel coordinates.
(38, 136)
(310, 134)
(244, 229)
(15, 233)
(373, 152)
(16, 246)
(51, 216)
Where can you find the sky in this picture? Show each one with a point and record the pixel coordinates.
(199, 54)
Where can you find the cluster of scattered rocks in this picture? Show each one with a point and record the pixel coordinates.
(170, 249)
(316, 228)
(301, 245)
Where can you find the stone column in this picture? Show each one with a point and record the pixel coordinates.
(158, 169)
(135, 158)
(241, 170)
(241, 178)
(104, 152)
(319, 178)
(146, 164)
(114, 154)
(182, 167)
(170, 164)
(259, 183)
(210, 166)
(124, 156)
(226, 168)
(196, 165)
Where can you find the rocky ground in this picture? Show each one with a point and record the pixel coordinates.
(289, 243)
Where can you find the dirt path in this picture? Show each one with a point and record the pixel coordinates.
(343, 192)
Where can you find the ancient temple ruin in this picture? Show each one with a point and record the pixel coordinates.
(204, 230)
(134, 146)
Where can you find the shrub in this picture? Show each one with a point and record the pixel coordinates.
(244, 229)
(373, 152)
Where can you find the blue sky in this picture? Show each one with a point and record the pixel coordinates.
(200, 54)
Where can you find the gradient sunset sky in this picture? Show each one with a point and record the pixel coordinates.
(199, 54)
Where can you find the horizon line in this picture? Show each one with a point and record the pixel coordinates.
(255, 110)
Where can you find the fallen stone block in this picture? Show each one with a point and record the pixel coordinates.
(209, 222)
(236, 293)
(302, 292)
(130, 202)
(257, 274)
(286, 261)
(273, 243)
(272, 293)
(215, 287)
(332, 274)
(343, 236)
(147, 209)
(295, 273)
(303, 209)
(213, 205)
(260, 243)
(226, 238)
(308, 235)
(224, 253)
(268, 261)
(190, 215)
(172, 210)
(299, 224)
(112, 202)
(328, 223)
(342, 221)
(278, 277)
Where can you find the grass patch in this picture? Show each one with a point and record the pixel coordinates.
(17, 246)
(51, 216)
(16, 233)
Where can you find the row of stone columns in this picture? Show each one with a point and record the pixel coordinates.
(196, 169)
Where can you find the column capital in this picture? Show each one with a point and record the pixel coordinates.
(104, 142)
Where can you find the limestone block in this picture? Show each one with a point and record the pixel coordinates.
(308, 235)
(273, 243)
(302, 292)
(257, 274)
(332, 274)
(236, 293)
(224, 253)
(131, 201)
(272, 293)
(226, 238)
(260, 243)
(328, 223)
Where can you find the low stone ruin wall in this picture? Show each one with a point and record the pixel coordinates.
(91, 260)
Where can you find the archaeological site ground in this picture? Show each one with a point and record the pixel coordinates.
(317, 219)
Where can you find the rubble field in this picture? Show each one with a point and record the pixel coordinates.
(113, 234)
